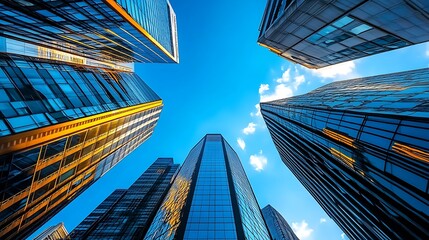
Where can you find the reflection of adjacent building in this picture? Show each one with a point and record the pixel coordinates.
(361, 147)
(71, 106)
(109, 31)
(211, 198)
(317, 34)
(57, 232)
(277, 225)
(127, 213)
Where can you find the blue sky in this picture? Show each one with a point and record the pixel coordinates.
(222, 75)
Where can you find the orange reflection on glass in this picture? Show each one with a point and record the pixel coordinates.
(340, 137)
(411, 152)
(174, 203)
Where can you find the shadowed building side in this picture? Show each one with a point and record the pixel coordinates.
(127, 213)
(317, 33)
(360, 147)
(277, 225)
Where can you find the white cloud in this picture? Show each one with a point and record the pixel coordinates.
(281, 91)
(335, 71)
(299, 79)
(343, 236)
(258, 161)
(258, 111)
(301, 229)
(285, 77)
(241, 143)
(263, 88)
(250, 128)
(322, 220)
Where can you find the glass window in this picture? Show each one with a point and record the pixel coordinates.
(20, 124)
(66, 175)
(326, 30)
(360, 29)
(343, 21)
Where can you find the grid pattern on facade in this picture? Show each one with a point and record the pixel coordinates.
(127, 213)
(169, 216)
(45, 176)
(277, 225)
(96, 29)
(250, 214)
(206, 185)
(53, 233)
(317, 34)
(35, 94)
(366, 146)
(211, 215)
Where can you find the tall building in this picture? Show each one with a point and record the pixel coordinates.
(71, 106)
(277, 225)
(108, 31)
(57, 232)
(317, 33)
(361, 148)
(210, 198)
(127, 213)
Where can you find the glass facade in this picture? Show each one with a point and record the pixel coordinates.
(126, 214)
(109, 31)
(71, 106)
(360, 147)
(277, 225)
(45, 164)
(317, 34)
(204, 203)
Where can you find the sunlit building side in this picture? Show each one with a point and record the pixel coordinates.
(71, 106)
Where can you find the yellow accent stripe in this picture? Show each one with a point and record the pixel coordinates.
(32, 138)
(411, 152)
(271, 48)
(131, 20)
(341, 156)
(339, 137)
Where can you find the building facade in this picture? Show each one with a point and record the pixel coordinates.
(126, 214)
(57, 232)
(71, 106)
(111, 31)
(277, 225)
(210, 198)
(317, 33)
(361, 148)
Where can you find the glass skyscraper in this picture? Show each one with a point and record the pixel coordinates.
(108, 31)
(127, 213)
(57, 232)
(317, 33)
(71, 106)
(277, 225)
(210, 198)
(361, 148)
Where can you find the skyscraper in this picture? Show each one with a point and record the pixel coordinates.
(277, 225)
(57, 232)
(70, 105)
(126, 214)
(361, 148)
(110, 31)
(317, 33)
(210, 198)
